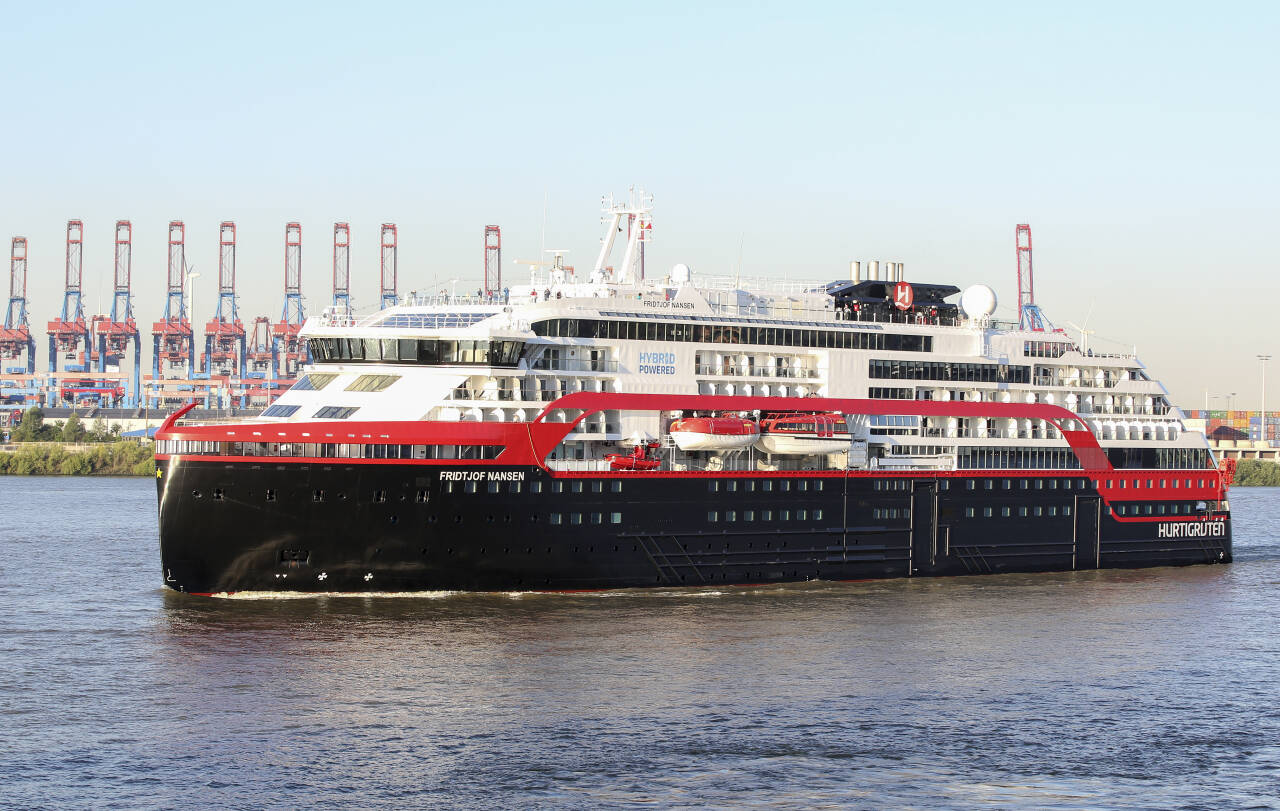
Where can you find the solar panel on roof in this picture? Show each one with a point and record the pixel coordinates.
(431, 320)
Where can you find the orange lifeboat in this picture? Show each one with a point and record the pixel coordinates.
(714, 433)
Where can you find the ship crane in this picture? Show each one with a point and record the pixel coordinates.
(173, 340)
(15, 338)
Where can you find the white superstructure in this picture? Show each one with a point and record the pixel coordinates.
(503, 358)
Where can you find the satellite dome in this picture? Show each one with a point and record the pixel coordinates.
(681, 274)
(978, 301)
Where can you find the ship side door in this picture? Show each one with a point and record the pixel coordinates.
(1088, 532)
(924, 526)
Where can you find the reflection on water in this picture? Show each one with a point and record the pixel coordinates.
(1151, 688)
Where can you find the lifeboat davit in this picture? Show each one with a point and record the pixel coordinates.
(804, 434)
(714, 433)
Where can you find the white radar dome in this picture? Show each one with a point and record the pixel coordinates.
(681, 274)
(978, 301)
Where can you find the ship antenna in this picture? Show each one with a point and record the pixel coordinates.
(542, 238)
(742, 238)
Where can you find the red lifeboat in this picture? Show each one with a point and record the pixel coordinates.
(638, 459)
(714, 433)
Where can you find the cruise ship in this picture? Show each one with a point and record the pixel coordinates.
(624, 431)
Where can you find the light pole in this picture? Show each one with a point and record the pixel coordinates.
(1262, 434)
(192, 275)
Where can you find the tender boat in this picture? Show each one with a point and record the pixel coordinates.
(639, 459)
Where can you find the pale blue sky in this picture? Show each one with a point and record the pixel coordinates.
(1139, 140)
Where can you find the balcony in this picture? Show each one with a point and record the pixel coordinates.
(733, 370)
(565, 365)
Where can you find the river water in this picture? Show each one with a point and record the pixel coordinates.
(1117, 689)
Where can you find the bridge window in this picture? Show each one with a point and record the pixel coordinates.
(281, 411)
(372, 383)
(313, 382)
(335, 412)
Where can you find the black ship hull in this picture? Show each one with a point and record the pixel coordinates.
(310, 527)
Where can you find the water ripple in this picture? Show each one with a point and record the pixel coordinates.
(1135, 689)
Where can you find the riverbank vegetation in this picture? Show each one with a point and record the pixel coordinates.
(33, 428)
(1257, 473)
(123, 458)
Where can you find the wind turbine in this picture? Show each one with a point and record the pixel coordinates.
(1084, 333)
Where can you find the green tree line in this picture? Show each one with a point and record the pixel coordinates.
(1257, 473)
(33, 428)
(124, 458)
(112, 456)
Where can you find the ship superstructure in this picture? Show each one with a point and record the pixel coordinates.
(703, 429)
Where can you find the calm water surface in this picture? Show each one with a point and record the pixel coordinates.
(1136, 689)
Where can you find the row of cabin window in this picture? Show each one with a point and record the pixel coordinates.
(575, 486)
(730, 334)
(1159, 458)
(490, 487)
(940, 370)
(1079, 484)
(1167, 508)
(894, 484)
(765, 486)
(429, 352)
(1045, 349)
(970, 457)
(882, 393)
(328, 450)
(1124, 484)
(1038, 511)
(574, 519)
(731, 516)
(1023, 484)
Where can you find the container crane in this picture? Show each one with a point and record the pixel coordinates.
(224, 337)
(173, 340)
(15, 338)
(1030, 316)
(69, 338)
(341, 266)
(288, 352)
(390, 247)
(492, 260)
(115, 333)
